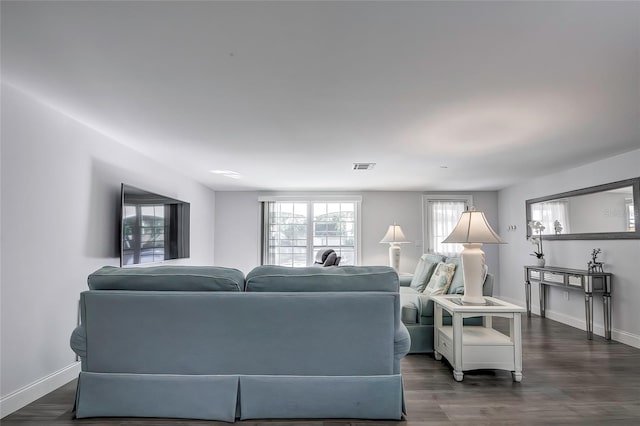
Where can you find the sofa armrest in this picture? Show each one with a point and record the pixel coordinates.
(401, 346)
(405, 279)
(78, 341)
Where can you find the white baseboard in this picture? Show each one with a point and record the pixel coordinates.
(26, 395)
(616, 335)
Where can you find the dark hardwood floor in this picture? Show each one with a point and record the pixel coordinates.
(567, 380)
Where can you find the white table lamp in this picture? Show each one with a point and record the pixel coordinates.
(472, 231)
(394, 237)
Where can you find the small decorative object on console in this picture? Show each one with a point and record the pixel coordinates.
(557, 227)
(594, 265)
(537, 226)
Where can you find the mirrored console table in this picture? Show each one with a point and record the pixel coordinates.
(572, 279)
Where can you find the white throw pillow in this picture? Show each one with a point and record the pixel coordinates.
(441, 279)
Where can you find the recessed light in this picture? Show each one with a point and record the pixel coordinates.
(227, 173)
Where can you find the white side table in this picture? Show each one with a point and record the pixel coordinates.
(478, 347)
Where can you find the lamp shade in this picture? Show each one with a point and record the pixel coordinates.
(473, 228)
(394, 235)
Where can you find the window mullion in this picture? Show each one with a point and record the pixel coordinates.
(310, 228)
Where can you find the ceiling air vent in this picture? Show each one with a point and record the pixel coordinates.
(363, 166)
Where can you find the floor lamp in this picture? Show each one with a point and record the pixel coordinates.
(472, 231)
(394, 237)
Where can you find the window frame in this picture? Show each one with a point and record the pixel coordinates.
(137, 231)
(309, 200)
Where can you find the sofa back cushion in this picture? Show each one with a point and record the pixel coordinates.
(424, 270)
(271, 278)
(167, 278)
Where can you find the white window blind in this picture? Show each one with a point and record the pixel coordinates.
(441, 214)
(549, 212)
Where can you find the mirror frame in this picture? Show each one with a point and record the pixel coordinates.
(634, 183)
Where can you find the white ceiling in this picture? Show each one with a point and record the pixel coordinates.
(290, 94)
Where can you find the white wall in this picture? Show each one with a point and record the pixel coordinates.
(238, 226)
(237, 239)
(619, 256)
(60, 207)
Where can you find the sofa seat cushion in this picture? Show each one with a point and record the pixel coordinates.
(167, 278)
(272, 278)
(416, 308)
(409, 303)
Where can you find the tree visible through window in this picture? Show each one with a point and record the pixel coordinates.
(295, 231)
(143, 233)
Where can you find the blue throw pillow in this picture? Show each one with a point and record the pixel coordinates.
(424, 270)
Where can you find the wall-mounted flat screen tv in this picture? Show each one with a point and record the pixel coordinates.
(153, 228)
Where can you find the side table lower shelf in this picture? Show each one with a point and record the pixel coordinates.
(482, 348)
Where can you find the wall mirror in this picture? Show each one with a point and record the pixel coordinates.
(608, 211)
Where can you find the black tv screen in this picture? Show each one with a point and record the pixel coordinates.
(153, 228)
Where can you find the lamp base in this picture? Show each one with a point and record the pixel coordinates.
(472, 270)
(394, 256)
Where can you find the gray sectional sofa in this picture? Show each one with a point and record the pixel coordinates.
(206, 343)
(417, 308)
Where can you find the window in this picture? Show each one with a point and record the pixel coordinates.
(630, 215)
(143, 233)
(295, 230)
(441, 214)
(554, 216)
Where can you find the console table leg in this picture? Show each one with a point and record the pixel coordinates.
(527, 295)
(607, 316)
(543, 301)
(588, 309)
